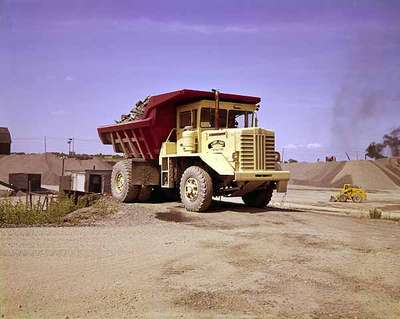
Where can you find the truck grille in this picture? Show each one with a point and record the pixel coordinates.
(257, 152)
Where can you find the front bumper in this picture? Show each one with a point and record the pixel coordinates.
(262, 176)
(281, 177)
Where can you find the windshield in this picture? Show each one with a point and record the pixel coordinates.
(208, 117)
(240, 119)
(227, 119)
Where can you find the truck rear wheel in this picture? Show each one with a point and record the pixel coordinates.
(122, 187)
(259, 198)
(196, 189)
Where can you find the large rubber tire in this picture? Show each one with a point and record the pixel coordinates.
(122, 187)
(259, 198)
(196, 189)
(357, 198)
(343, 198)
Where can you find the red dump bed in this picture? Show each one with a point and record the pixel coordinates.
(143, 138)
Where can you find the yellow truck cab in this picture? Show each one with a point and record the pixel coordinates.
(238, 154)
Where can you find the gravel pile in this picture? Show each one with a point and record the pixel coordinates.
(380, 174)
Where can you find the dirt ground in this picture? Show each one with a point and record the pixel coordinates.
(300, 258)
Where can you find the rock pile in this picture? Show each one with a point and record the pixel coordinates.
(136, 113)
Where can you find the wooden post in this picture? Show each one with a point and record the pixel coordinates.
(45, 203)
(62, 167)
(30, 195)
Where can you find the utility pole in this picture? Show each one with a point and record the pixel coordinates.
(69, 141)
(45, 147)
(283, 152)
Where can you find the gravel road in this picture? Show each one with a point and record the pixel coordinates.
(158, 261)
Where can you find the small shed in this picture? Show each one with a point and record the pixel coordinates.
(5, 141)
(86, 181)
(23, 181)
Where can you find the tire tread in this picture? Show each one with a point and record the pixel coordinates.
(205, 189)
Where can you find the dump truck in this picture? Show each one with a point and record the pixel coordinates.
(195, 145)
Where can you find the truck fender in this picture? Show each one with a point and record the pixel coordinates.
(218, 163)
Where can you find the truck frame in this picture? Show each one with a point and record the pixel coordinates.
(196, 145)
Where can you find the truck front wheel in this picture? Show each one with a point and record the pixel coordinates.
(196, 189)
(258, 198)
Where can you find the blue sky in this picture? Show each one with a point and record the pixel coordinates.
(328, 72)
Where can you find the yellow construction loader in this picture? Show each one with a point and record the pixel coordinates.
(350, 192)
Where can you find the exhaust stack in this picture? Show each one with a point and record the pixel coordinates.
(216, 92)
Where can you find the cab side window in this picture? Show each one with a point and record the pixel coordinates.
(194, 118)
(185, 119)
